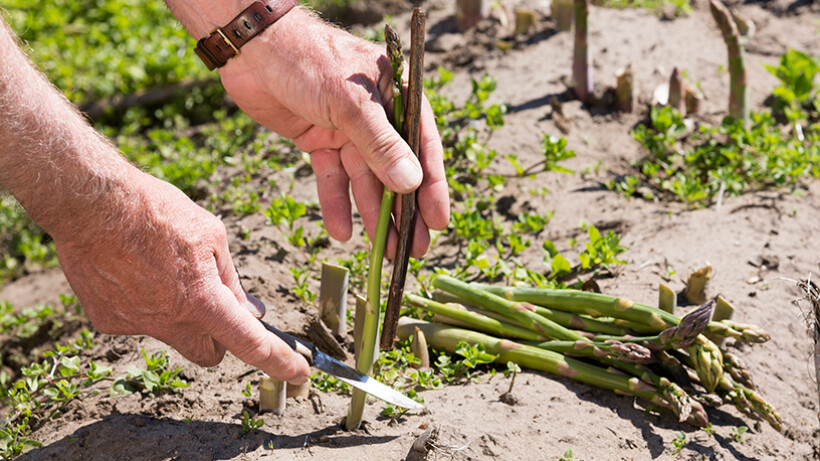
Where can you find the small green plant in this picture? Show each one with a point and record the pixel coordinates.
(797, 94)
(323, 382)
(678, 443)
(708, 429)
(248, 390)
(250, 424)
(568, 456)
(737, 433)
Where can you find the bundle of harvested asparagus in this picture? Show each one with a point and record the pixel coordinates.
(606, 341)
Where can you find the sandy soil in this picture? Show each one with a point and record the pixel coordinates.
(754, 242)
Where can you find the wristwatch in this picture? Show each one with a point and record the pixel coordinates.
(224, 43)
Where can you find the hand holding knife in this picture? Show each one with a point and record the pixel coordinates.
(343, 372)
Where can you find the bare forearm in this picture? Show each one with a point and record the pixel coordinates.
(51, 160)
(200, 17)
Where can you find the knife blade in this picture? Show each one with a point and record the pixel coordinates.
(343, 372)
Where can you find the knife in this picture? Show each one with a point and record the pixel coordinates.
(343, 372)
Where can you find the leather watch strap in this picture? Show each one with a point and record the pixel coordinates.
(224, 43)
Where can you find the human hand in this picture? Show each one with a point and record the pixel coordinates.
(328, 91)
(164, 270)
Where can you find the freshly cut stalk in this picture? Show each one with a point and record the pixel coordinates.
(298, 390)
(447, 338)
(522, 313)
(584, 302)
(692, 99)
(624, 94)
(565, 319)
(707, 361)
(412, 134)
(749, 402)
(733, 365)
(738, 96)
(601, 305)
(469, 12)
(677, 337)
(333, 298)
(370, 318)
(581, 68)
(562, 12)
(475, 319)
(610, 349)
(723, 311)
(676, 96)
(684, 405)
(272, 395)
(667, 298)
(743, 331)
(524, 20)
(370, 324)
(697, 283)
(418, 346)
(358, 326)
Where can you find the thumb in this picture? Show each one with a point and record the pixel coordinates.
(381, 146)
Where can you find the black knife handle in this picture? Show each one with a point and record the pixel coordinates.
(301, 347)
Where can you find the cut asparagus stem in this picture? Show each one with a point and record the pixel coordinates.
(676, 90)
(272, 395)
(565, 319)
(476, 319)
(609, 349)
(418, 346)
(298, 390)
(749, 402)
(598, 305)
(412, 134)
(447, 338)
(358, 326)
(581, 68)
(563, 12)
(693, 99)
(525, 19)
(667, 299)
(624, 94)
(522, 313)
(738, 97)
(746, 400)
(370, 317)
(469, 12)
(677, 337)
(697, 283)
(733, 365)
(723, 311)
(707, 361)
(333, 298)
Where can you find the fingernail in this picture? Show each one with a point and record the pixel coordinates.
(255, 306)
(405, 174)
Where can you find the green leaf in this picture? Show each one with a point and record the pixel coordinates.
(560, 266)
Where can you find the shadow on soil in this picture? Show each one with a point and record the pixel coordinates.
(647, 423)
(127, 437)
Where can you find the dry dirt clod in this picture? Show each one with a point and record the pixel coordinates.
(509, 399)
